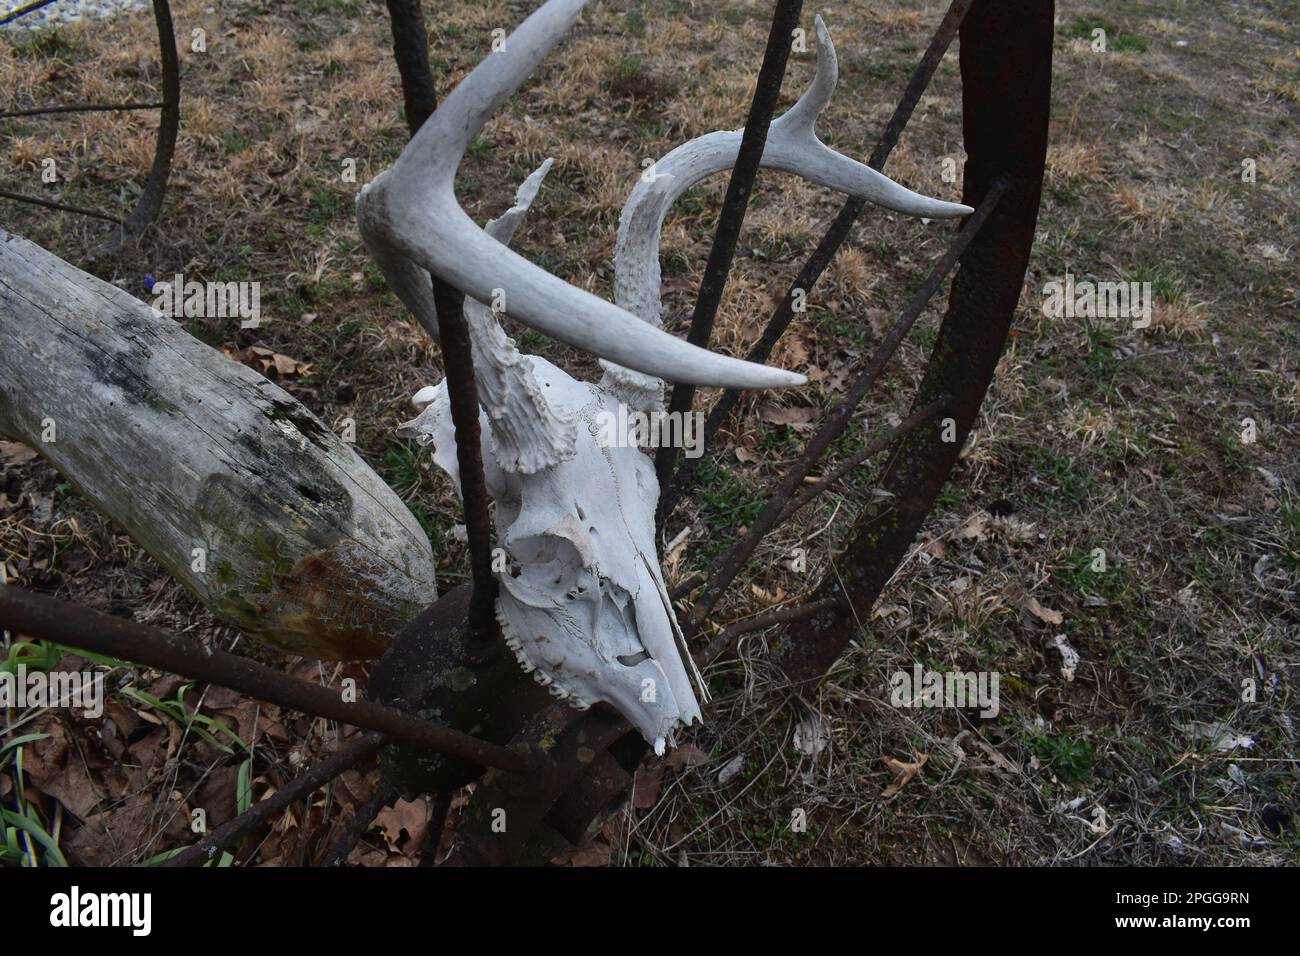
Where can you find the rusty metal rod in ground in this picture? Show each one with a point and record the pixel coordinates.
(835, 236)
(724, 568)
(297, 789)
(411, 51)
(46, 618)
(739, 189)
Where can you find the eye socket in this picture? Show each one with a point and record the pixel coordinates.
(550, 563)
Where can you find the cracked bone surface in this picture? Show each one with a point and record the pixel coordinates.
(583, 602)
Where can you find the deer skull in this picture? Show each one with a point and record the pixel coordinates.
(582, 601)
(583, 604)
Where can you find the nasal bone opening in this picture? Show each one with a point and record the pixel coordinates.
(631, 660)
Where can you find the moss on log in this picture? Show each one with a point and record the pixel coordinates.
(230, 483)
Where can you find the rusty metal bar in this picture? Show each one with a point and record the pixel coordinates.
(46, 618)
(920, 81)
(169, 124)
(766, 93)
(463, 392)
(62, 207)
(835, 235)
(823, 484)
(299, 788)
(411, 52)
(826, 482)
(784, 615)
(724, 568)
(23, 10)
(1006, 68)
(81, 108)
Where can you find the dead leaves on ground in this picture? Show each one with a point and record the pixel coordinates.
(904, 772)
(15, 453)
(129, 781)
(801, 419)
(1042, 613)
(272, 364)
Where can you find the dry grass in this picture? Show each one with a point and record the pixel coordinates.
(1094, 435)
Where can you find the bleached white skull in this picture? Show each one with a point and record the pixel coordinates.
(582, 599)
(582, 602)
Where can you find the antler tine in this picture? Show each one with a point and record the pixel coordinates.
(792, 146)
(410, 212)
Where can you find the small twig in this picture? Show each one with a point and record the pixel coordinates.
(81, 108)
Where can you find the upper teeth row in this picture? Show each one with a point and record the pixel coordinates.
(553, 686)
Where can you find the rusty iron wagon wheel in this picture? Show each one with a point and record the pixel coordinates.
(559, 773)
(149, 205)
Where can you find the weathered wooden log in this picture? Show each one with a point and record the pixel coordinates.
(224, 478)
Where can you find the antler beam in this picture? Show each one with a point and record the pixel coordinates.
(410, 220)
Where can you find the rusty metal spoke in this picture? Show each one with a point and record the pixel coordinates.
(169, 123)
(411, 52)
(835, 236)
(49, 619)
(783, 615)
(732, 217)
(826, 482)
(1006, 72)
(299, 788)
(723, 570)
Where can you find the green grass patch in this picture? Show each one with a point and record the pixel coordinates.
(403, 466)
(634, 22)
(727, 501)
(323, 207)
(1073, 485)
(1120, 41)
(1069, 758)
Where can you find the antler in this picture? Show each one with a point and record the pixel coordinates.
(792, 146)
(410, 220)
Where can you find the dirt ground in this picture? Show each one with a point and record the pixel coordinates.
(1114, 502)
